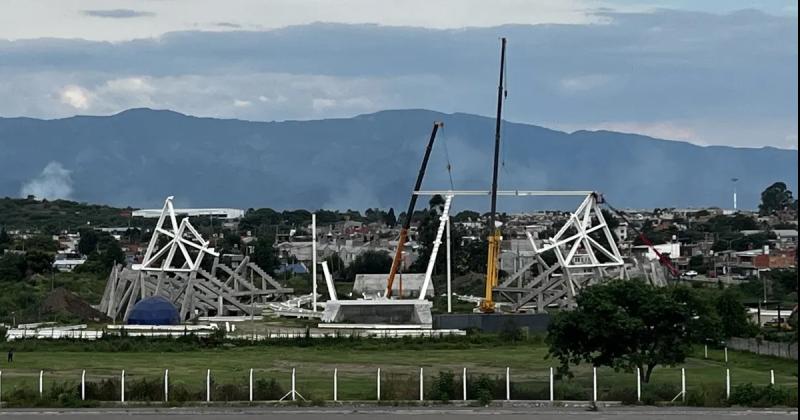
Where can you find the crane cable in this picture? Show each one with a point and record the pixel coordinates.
(447, 157)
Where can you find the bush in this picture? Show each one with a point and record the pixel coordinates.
(147, 390)
(399, 387)
(706, 396)
(768, 396)
(653, 393)
(232, 392)
(625, 395)
(443, 387)
(570, 391)
(495, 386)
(268, 390)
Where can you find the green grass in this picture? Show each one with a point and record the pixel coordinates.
(357, 367)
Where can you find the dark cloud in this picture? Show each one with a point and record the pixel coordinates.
(118, 13)
(228, 25)
(725, 77)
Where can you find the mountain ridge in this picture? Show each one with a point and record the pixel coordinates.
(138, 156)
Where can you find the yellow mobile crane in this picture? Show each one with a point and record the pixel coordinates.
(487, 304)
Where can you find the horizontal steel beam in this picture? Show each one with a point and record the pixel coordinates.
(518, 193)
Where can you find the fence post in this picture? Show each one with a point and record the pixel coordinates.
(727, 384)
(41, 386)
(464, 383)
(83, 385)
(726, 355)
(683, 384)
(552, 394)
(166, 385)
(594, 384)
(335, 384)
(208, 385)
(508, 384)
(122, 387)
(251, 385)
(772, 377)
(1, 388)
(638, 385)
(379, 384)
(421, 385)
(705, 351)
(294, 388)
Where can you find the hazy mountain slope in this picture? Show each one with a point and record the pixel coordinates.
(140, 156)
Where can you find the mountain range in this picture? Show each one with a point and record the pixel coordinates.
(140, 156)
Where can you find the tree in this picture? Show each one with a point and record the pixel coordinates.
(426, 232)
(369, 262)
(88, 241)
(335, 264)
(264, 256)
(704, 322)
(733, 315)
(390, 219)
(776, 198)
(622, 324)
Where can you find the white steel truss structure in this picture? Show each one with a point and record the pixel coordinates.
(582, 252)
(172, 268)
(181, 237)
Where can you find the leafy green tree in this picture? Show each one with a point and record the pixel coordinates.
(264, 255)
(88, 241)
(390, 219)
(426, 232)
(733, 315)
(624, 325)
(704, 322)
(336, 265)
(39, 262)
(698, 263)
(369, 262)
(776, 198)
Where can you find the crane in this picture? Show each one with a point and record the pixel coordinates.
(487, 304)
(410, 212)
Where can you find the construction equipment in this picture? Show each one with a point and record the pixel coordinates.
(487, 305)
(398, 256)
(662, 259)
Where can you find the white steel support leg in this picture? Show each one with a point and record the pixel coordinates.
(122, 387)
(335, 384)
(594, 384)
(314, 262)
(436, 242)
(508, 384)
(421, 385)
(772, 377)
(378, 393)
(552, 393)
(166, 385)
(449, 271)
(83, 385)
(41, 384)
(464, 383)
(251, 385)
(727, 383)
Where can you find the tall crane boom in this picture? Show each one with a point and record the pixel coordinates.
(410, 212)
(487, 305)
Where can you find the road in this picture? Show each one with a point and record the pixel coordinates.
(400, 414)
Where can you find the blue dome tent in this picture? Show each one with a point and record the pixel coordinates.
(155, 310)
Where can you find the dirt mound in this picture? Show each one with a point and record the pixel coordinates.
(62, 300)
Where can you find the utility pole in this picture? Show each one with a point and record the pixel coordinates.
(734, 180)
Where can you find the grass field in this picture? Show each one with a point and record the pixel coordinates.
(357, 368)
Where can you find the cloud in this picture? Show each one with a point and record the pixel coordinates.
(75, 96)
(699, 72)
(661, 130)
(54, 182)
(118, 13)
(228, 25)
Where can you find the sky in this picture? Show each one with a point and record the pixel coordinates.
(712, 72)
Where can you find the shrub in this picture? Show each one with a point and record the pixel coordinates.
(443, 387)
(768, 396)
(268, 390)
(232, 392)
(399, 387)
(570, 391)
(147, 390)
(706, 396)
(625, 395)
(653, 393)
(495, 386)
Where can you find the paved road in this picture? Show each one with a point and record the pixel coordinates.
(400, 414)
